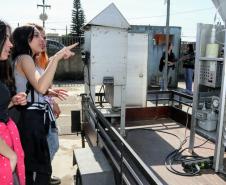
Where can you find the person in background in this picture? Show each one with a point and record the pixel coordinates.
(171, 63)
(11, 153)
(188, 60)
(37, 117)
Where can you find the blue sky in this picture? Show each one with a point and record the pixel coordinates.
(184, 13)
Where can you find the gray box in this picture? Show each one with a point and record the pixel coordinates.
(94, 167)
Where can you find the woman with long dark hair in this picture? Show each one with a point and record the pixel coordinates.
(11, 152)
(41, 62)
(36, 118)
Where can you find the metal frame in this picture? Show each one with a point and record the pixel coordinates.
(171, 96)
(220, 148)
(203, 32)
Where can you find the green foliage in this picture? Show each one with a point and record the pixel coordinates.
(78, 19)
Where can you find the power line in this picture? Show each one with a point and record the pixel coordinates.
(175, 13)
(55, 28)
(52, 22)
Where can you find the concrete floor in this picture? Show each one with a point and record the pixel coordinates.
(62, 162)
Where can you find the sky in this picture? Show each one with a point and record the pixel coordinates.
(183, 13)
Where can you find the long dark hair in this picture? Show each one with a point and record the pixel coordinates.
(21, 38)
(190, 48)
(6, 72)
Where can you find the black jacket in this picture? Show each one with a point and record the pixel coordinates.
(188, 60)
(171, 58)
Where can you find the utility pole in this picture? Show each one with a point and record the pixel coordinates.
(165, 76)
(43, 16)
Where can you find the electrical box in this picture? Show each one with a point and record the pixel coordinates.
(210, 73)
(108, 54)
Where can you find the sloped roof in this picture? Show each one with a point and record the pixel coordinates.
(221, 7)
(110, 17)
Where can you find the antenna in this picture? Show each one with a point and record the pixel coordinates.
(43, 16)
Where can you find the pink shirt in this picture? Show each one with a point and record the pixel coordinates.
(9, 133)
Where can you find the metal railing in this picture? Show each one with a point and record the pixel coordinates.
(130, 169)
(67, 40)
(171, 97)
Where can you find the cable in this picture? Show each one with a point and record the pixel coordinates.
(175, 13)
(176, 157)
(150, 129)
(186, 124)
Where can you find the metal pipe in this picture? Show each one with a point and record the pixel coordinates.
(219, 151)
(167, 43)
(114, 161)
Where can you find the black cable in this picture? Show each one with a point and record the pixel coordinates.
(153, 130)
(176, 157)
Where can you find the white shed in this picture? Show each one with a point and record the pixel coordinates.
(106, 39)
(117, 58)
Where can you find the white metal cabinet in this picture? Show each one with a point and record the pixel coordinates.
(206, 87)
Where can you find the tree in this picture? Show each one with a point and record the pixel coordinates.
(78, 19)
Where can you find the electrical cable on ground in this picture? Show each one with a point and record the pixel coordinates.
(176, 157)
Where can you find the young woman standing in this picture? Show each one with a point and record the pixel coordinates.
(11, 152)
(35, 120)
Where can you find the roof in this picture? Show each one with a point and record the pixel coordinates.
(109, 17)
(221, 8)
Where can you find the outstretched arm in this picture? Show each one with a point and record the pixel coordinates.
(41, 83)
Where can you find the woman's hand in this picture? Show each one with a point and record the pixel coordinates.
(66, 52)
(56, 109)
(58, 93)
(19, 99)
(170, 63)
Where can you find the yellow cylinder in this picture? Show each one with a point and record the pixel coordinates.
(212, 50)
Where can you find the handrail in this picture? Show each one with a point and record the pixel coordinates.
(121, 150)
(171, 94)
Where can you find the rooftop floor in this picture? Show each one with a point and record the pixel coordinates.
(154, 146)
